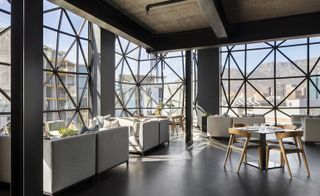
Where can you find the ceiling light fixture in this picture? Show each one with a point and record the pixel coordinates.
(159, 4)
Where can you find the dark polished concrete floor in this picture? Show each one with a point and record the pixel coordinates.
(188, 170)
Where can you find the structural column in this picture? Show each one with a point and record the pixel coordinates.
(209, 80)
(27, 97)
(107, 72)
(188, 96)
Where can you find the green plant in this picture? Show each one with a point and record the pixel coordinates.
(66, 132)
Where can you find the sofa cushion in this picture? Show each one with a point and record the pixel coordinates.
(52, 127)
(112, 123)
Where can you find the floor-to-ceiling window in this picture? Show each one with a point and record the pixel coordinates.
(67, 65)
(276, 79)
(5, 60)
(148, 82)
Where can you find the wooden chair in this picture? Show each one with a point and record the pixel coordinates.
(176, 122)
(292, 141)
(289, 149)
(240, 146)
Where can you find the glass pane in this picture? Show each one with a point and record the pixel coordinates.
(76, 21)
(50, 116)
(134, 52)
(298, 94)
(64, 100)
(5, 20)
(294, 41)
(262, 94)
(48, 5)
(4, 119)
(314, 111)
(314, 39)
(288, 57)
(5, 79)
(314, 56)
(85, 30)
(258, 45)
(50, 92)
(237, 62)
(260, 64)
(314, 91)
(237, 93)
(5, 47)
(51, 19)
(83, 91)
(5, 105)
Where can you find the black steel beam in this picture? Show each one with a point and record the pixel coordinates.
(188, 92)
(279, 28)
(27, 97)
(107, 71)
(108, 17)
(210, 10)
(209, 79)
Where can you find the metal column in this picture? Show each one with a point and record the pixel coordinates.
(27, 97)
(188, 96)
(107, 72)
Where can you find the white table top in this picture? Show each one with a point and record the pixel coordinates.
(261, 130)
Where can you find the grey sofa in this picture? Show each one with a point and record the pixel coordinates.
(145, 134)
(298, 119)
(112, 148)
(148, 135)
(249, 121)
(67, 161)
(164, 135)
(5, 158)
(217, 126)
(311, 128)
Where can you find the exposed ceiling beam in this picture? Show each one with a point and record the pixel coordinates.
(213, 12)
(109, 18)
(271, 29)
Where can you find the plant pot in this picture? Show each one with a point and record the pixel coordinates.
(204, 124)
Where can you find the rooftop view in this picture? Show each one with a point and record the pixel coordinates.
(161, 97)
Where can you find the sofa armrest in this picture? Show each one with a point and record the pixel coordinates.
(150, 135)
(164, 133)
(112, 148)
(311, 130)
(67, 161)
(218, 126)
(5, 158)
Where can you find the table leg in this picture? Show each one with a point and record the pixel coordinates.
(263, 152)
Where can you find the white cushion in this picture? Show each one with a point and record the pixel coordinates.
(110, 123)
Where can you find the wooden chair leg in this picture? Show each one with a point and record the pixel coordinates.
(281, 160)
(296, 144)
(244, 151)
(267, 158)
(306, 163)
(228, 153)
(299, 158)
(287, 163)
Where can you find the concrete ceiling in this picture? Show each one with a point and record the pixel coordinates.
(182, 16)
(238, 11)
